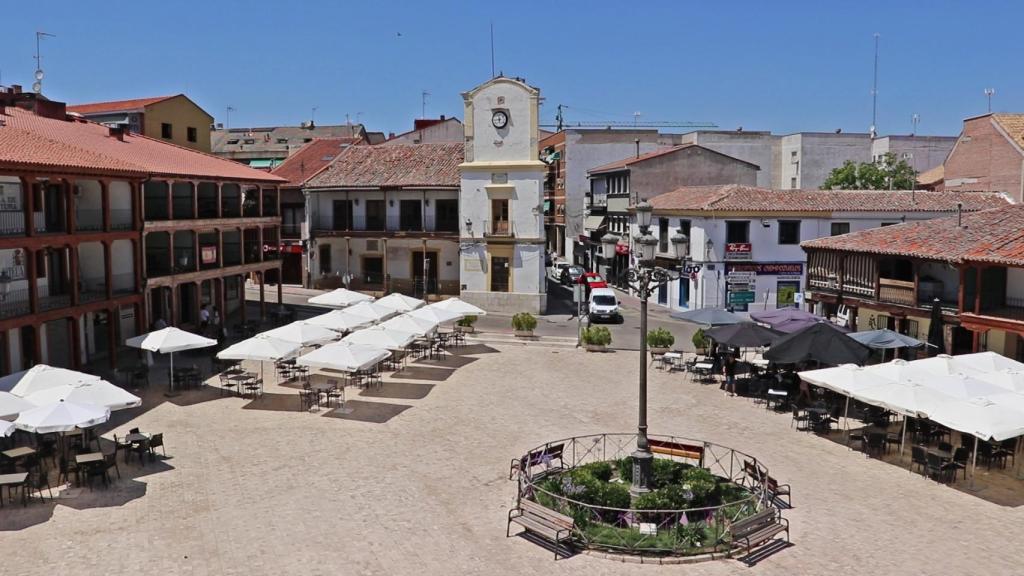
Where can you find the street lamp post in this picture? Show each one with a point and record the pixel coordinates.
(645, 278)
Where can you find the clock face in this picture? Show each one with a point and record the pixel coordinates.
(500, 119)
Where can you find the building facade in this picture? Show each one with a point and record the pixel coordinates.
(501, 198)
(267, 147)
(971, 266)
(745, 242)
(384, 219)
(175, 119)
(431, 131)
(988, 155)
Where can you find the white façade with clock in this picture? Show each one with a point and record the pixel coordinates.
(499, 119)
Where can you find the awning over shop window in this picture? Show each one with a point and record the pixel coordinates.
(261, 163)
(620, 205)
(593, 222)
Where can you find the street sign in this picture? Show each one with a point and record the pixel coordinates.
(737, 287)
(743, 277)
(745, 297)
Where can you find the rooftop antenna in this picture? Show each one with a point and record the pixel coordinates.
(312, 116)
(636, 118)
(988, 94)
(37, 86)
(492, 48)
(914, 121)
(227, 117)
(423, 104)
(559, 118)
(874, 92)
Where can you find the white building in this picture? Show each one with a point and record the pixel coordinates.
(501, 199)
(744, 242)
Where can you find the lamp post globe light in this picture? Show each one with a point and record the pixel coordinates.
(645, 278)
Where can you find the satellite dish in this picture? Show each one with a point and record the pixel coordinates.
(37, 87)
(39, 74)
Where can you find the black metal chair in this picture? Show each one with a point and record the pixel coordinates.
(918, 457)
(876, 443)
(157, 441)
(935, 467)
(800, 417)
(959, 462)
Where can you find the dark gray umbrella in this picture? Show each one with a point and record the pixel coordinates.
(709, 317)
(885, 339)
(821, 342)
(936, 338)
(743, 335)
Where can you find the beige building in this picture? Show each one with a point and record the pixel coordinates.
(175, 119)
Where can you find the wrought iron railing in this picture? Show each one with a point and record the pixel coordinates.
(14, 303)
(12, 222)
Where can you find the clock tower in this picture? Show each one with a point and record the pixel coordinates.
(501, 199)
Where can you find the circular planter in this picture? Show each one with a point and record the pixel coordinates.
(596, 348)
(524, 333)
(466, 329)
(659, 349)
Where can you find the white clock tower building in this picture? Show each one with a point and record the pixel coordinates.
(501, 199)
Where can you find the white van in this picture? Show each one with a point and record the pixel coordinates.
(603, 305)
(555, 273)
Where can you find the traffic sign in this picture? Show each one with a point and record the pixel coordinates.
(745, 297)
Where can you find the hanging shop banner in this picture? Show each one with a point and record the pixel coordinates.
(767, 268)
(739, 251)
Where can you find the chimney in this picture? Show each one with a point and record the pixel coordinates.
(959, 214)
(637, 142)
(442, 117)
(391, 135)
(117, 132)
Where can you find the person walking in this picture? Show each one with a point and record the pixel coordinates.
(729, 369)
(215, 321)
(204, 319)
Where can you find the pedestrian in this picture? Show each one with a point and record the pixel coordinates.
(204, 319)
(729, 369)
(215, 320)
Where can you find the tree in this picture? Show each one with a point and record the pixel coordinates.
(886, 173)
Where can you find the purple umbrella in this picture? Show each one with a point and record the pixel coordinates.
(787, 320)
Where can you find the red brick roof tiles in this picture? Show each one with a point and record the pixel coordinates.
(735, 198)
(995, 235)
(116, 105)
(31, 142)
(307, 161)
(395, 166)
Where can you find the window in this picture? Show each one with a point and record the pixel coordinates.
(663, 235)
(499, 217)
(789, 232)
(410, 215)
(325, 258)
(342, 214)
(192, 134)
(165, 130)
(840, 228)
(792, 183)
(233, 141)
(375, 214)
(737, 231)
(446, 215)
(684, 291)
(373, 270)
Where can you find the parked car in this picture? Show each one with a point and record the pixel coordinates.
(592, 280)
(603, 306)
(571, 275)
(555, 272)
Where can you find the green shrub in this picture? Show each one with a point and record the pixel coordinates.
(467, 321)
(600, 470)
(700, 341)
(625, 466)
(524, 322)
(665, 472)
(660, 338)
(701, 484)
(597, 336)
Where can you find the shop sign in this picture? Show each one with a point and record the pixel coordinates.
(744, 297)
(739, 251)
(767, 268)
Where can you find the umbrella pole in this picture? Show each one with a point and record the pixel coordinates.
(846, 419)
(974, 463)
(903, 435)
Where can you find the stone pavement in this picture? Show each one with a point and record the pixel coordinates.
(279, 491)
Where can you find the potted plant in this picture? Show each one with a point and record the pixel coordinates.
(596, 338)
(523, 323)
(465, 324)
(700, 341)
(660, 341)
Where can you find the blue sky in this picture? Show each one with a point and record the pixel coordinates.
(783, 66)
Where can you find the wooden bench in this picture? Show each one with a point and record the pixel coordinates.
(776, 490)
(757, 529)
(541, 521)
(752, 472)
(691, 451)
(537, 457)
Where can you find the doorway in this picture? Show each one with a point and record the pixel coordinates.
(500, 274)
(28, 347)
(429, 272)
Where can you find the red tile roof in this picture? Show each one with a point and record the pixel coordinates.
(627, 162)
(116, 105)
(78, 146)
(395, 166)
(735, 198)
(307, 161)
(995, 235)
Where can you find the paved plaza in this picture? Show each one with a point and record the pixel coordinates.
(422, 488)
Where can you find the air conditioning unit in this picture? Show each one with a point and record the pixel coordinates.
(373, 245)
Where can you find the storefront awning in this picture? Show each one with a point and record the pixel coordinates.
(593, 222)
(619, 205)
(261, 163)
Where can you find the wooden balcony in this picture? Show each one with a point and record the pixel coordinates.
(896, 292)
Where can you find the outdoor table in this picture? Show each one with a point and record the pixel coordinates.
(15, 453)
(11, 481)
(703, 369)
(760, 362)
(137, 437)
(944, 454)
(779, 396)
(89, 458)
(669, 360)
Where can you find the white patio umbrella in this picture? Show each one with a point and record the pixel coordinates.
(406, 323)
(6, 428)
(340, 298)
(302, 333)
(400, 302)
(61, 417)
(340, 321)
(371, 311)
(344, 357)
(260, 348)
(943, 364)
(1012, 380)
(987, 362)
(40, 377)
(458, 305)
(846, 379)
(435, 315)
(168, 341)
(11, 405)
(380, 337)
(960, 386)
(98, 393)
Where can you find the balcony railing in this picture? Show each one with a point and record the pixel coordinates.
(14, 303)
(121, 219)
(54, 301)
(12, 222)
(896, 292)
(498, 228)
(1012, 309)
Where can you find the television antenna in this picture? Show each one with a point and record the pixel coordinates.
(423, 103)
(989, 92)
(227, 117)
(37, 86)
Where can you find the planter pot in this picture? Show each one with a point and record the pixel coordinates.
(659, 349)
(465, 329)
(596, 348)
(524, 333)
